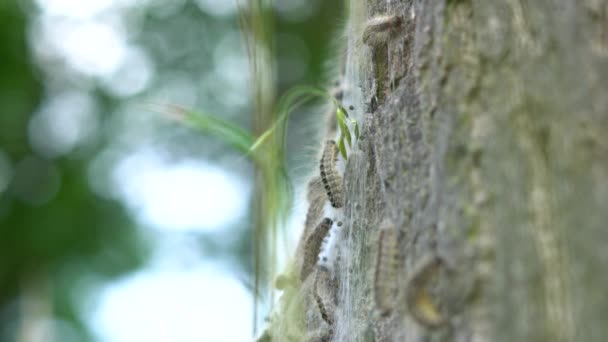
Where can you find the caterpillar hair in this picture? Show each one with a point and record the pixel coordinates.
(323, 280)
(380, 29)
(387, 270)
(312, 247)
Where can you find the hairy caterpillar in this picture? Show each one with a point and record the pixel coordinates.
(312, 247)
(379, 29)
(316, 201)
(419, 301)
(332, 180)
(323, 282)
(387, 268)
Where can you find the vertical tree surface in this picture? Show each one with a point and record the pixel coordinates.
(481, 145)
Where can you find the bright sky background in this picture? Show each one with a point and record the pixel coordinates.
(187, 195)
(197, 304)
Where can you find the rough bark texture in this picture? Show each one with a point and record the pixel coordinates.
(483, 143)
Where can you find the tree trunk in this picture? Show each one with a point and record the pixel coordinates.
(481, 146)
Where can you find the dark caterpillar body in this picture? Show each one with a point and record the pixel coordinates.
(312, 247)
(332, 181)
(323, 282)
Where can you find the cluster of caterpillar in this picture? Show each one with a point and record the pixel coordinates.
(379, 28)
(320, 246)
(317, 254)
(321, 236)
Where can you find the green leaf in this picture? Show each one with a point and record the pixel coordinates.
(356, 124)
(344, 130)
(342, 147)
(348, 137)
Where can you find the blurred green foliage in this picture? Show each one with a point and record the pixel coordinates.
(53, 228)
(19, 88)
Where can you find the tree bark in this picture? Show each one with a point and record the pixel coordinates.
(482, 145)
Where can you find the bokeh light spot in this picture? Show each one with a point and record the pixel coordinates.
(218, 7)
(186, 306)
(133, 75)
(65, 121)
(188, 195)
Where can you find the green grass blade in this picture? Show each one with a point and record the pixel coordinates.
(291, 100)
(213, 125)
